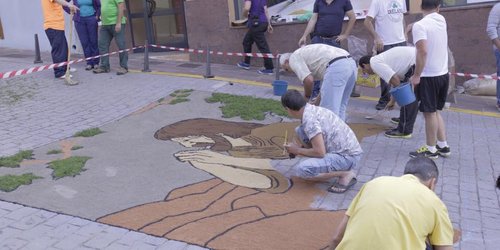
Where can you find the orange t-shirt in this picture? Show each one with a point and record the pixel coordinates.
(53, 16)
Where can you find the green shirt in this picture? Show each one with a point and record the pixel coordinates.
(109, 12)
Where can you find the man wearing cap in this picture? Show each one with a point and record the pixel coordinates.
(395, 66)
(334, 66)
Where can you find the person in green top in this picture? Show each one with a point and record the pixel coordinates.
(113, 26)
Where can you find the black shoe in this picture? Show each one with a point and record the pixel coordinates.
(380, 105)
(395, 120)
(445, 152)
(355, 94)
(394, 133)
(423, 151)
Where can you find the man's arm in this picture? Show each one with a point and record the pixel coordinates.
(339, 234)
(308, 86)
(379, 44)
(121, 10)
(309, 28)
(246, 8)
(269, 26)
(317, 150)
(68, 5)
(421, 47)
(352, 19)
(492, 25)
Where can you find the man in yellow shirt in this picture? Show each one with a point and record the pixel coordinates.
(397, 213)
(53, 24)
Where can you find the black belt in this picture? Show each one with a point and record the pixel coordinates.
(328, 37)
(338, 58)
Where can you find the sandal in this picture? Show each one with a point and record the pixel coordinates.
(339, 188)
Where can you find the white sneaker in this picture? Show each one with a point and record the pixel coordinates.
(72, 69)
(64, 76)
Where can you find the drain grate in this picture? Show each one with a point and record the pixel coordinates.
(17, 56)
(189, 65)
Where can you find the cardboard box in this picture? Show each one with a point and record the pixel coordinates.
(371, 81)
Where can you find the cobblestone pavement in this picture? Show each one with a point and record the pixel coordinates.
(37, 109)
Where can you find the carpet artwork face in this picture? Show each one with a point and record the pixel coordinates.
(248, 204)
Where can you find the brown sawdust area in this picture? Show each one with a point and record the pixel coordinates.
(219, 215)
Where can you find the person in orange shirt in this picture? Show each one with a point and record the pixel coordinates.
(53, 24)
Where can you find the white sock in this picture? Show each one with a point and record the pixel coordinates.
(432, 149)
(442, 144)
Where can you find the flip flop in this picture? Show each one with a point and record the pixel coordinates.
(342, 188)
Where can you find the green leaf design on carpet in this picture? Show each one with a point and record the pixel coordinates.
(10, 183)
(72, 166)
(247, 107)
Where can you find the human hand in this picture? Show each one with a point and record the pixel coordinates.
(390, 105)
(379, 44)
(269, 29)
(72, 8)
(341, 38)
(292, 148)
(302, 41)
(415, 80)
(118, 27)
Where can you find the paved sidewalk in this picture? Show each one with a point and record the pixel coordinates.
(23, 227)
(37, 110)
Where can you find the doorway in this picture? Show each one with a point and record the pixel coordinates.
(161, 22)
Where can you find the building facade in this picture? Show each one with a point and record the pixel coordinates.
(200, 23)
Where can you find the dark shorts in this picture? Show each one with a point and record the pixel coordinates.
(432, 93)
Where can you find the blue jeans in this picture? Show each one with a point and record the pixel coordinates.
(87, 32)
(331, 42)
(497, 54)
(312, 167)
(337, 86)
(107, 34)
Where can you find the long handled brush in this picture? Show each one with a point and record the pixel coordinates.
(67, 76)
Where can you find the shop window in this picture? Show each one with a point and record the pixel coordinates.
(415, 4)
(287, 11)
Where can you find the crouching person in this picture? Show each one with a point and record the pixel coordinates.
(329, 146)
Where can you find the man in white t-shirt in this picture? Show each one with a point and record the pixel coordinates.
(395, 66)
(431, 77)
(387, 33)
(328, 145)
(334, 66)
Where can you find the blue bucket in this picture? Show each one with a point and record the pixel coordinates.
(403, 94)
(279, 87)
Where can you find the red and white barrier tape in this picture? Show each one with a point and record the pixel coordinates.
(10, 74)
(200, 51)
(493, 77)
(196, 51)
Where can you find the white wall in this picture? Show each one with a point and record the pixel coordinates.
(21, 20)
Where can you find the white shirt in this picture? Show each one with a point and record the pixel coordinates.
(313, 59)
(389, 20)
(396, 61)
(337, 135)
(432, 29)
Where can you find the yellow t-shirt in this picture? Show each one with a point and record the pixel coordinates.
(396, 213)
(53, 16)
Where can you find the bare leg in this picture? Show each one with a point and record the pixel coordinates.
(344, 177)
(441, 132)
(431, 128)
